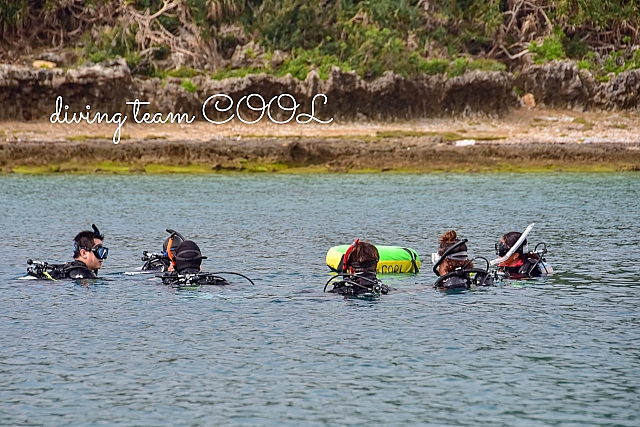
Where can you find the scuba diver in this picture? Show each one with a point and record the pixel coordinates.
(162, 261)
(453, 267)
(359, 276)
(187, 268)
(88, 254)
(516, 261)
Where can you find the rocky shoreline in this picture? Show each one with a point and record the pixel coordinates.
(313, 154)
(474, 122)
(28, 93)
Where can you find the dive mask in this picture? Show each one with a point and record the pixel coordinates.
(502, 249)
(435, 257)
(101, 252)
(449, 253)
(457, 256)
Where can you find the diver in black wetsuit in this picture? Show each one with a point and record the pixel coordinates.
(522, 264)
(188, 260)
(454, 268)
(361, 262)
(88, 254)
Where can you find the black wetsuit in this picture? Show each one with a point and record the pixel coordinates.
(73, 270)
(360, 284)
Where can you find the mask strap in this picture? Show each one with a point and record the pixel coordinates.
(445, 254)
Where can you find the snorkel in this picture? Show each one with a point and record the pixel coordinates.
(514, 248)
(168, 243)
(96, 233)
(170, 254)
(164, 259)
(345, 263)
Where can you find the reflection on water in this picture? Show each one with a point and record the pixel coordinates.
(127, 350)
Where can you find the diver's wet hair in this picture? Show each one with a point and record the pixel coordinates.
(454, 259)
(511, 239)
(449, 239)
(363, 257)
(84, 239)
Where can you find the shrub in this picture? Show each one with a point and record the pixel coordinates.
(188, 86)
(550, 49)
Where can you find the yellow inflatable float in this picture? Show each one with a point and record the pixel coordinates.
(393, 259)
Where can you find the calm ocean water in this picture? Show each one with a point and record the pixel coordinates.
(127, 350)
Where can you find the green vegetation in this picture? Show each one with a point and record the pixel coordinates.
(586, 125)
(184, 38)
(238, 72)
(280, 168)
(188, 86)
(550, 49)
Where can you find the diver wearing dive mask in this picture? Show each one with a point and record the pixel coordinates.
(88, 254)
(187, 272)
(453, 267)
(521, 264)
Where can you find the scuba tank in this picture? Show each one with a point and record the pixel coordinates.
(155, 262)
(46, 271)
(43, 270)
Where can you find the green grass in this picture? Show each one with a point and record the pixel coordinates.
(281, 168)
(169, 169)
(235, 73)
(403, 134)
(586, 125)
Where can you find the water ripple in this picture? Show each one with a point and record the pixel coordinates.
(127, 350)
